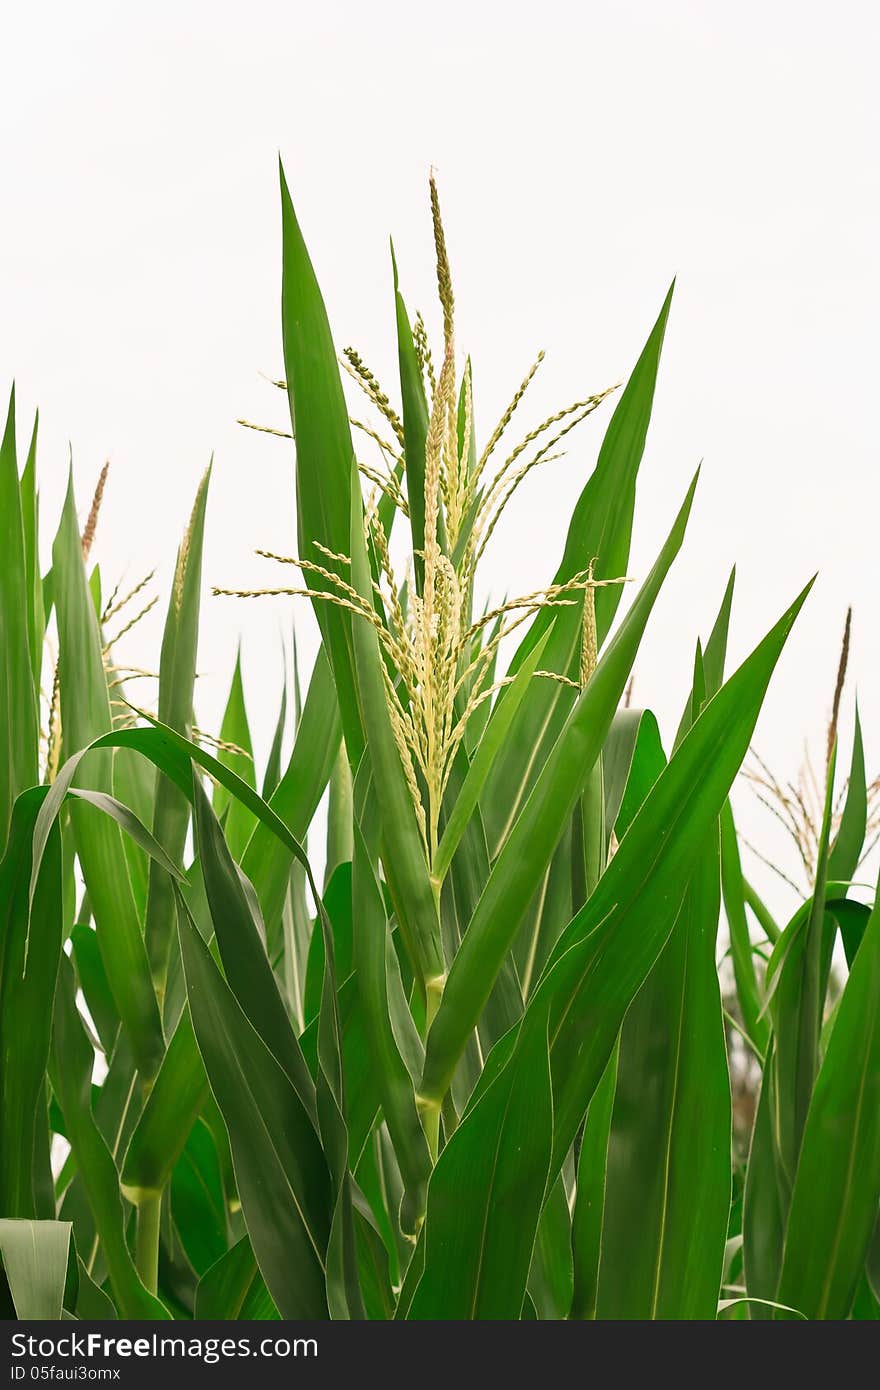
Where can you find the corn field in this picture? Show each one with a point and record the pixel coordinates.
(482, 1067)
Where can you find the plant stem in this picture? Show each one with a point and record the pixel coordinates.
(147, 1240)
(430, 1117)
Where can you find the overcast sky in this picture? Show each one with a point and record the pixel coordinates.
(586, 154)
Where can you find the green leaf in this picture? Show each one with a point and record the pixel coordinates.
(617, 761)
(27, 989)
(171, 1110)
(35, 1255)
(844, 855)
(30, 515)
(177, 673)
(238, 823)
(267, 860)
(338, 906)
(234, 1288)
(589, 1208)
(481, 764)
(242, 950)
(715, 653)
(92, 1304)
(85, 715)
(668, 1180)
(344, 1292)
(18, 703)
(837, 1187)
(71, 1073)
(198, 1204)
(324, 453)
(648, 762)
(279, 1166)
(496, 1163)
(551, 1277)
(748, 990)
(605, 954)
(273, 762)
(384, 1006)
(797, 992)
(629, 917)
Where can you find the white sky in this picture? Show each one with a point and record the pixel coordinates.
(586, 153)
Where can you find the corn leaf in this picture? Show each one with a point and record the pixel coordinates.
(18, 765)
(324, 453)
(837, 1186)
(35, 1259)
(85, 715)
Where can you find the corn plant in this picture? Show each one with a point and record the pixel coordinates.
(479, 1070)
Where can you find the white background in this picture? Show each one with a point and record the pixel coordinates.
(585, 153)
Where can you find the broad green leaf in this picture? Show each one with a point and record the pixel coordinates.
(648, 762)
(362, 1097)
(324, 453)
(486, 1194)
(170, 1111)
(92, 1303)
(766, 1204)
(617, 761)
(242, 951)
(234, 1288)
(198, 1203)
(280, 1169)
(548, 915)
(837, 1186)
(668, 1181)
(865, 1307)
(551, 1277)
(852, 919)
(71, 1072)
(35, 1255)
(589, 1208)
(267, 860)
